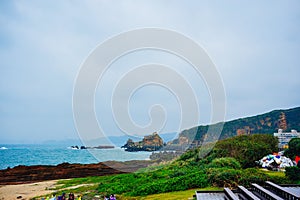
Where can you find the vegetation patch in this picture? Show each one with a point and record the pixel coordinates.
(230, 163)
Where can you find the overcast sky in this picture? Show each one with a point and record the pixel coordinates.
(255, 46)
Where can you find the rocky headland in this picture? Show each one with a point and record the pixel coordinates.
(266, 123)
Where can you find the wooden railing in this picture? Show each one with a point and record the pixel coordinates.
(265, 193)
(286, 194)
(230, 195)
(247, 193)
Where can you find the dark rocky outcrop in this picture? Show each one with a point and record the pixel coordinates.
(29, 174)
(151, 142)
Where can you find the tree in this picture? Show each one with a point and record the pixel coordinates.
(294, 148)
(247, 148)
(293, 173)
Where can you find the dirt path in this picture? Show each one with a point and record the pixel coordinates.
(26, 191)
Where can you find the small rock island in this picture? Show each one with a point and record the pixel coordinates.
(151, 142)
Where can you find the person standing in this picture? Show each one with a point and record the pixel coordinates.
(112, 197)
(71, 196)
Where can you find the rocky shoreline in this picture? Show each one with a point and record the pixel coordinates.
(30, 174)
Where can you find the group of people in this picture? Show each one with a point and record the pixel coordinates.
(111, 197)
(72, 197)
(63, 197)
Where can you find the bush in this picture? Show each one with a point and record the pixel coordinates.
(294, 148)
(246, 149)
(180, 183)
(226, 177)
(225, 162)
(252, 175)
(293, 173)
(196, 180)
(223, 177)
(166, 179)
(192, 153)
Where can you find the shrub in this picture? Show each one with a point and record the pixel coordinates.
(225, 162)
(223, 177)
(179, 183)
(252, 175)
(294, 148)
(293, 173)
(246, 148)
(196, 180)
(192, 153)
(226, 177)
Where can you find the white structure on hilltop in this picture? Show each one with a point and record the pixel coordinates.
(285, 137)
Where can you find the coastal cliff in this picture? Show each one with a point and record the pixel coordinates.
(266, 123)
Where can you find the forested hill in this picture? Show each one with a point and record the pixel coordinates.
(265, 123)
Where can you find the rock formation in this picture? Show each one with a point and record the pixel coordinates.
(151, 142)
(29, 174)
(282, 123)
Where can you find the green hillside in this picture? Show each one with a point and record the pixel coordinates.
(267, 123)
(230, 163)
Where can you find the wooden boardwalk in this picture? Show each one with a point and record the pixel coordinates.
(269, 190)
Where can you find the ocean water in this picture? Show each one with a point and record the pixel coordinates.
(14, 155)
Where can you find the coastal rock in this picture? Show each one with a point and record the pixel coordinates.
(151, 142)
(28, 174)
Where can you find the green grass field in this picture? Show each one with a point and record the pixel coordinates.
(89, 187)
(90, 192)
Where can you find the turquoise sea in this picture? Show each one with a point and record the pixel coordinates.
(12, 155)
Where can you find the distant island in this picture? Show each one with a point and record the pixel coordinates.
(97, 147)
(102, 147)
(151, 142)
